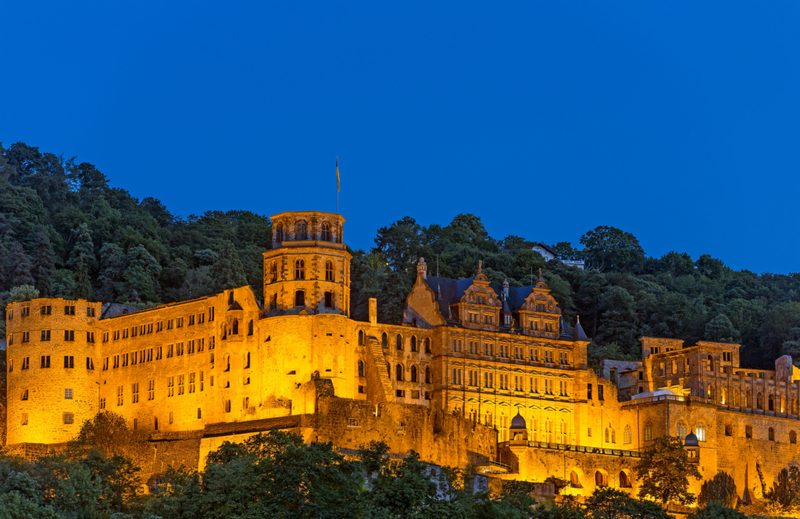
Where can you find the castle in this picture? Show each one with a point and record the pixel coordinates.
(476, 374)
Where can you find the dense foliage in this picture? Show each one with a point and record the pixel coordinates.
(66, 232)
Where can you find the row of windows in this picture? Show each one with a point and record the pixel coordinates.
(194, 382)
(25, 311)
(299, 301)
(69, 336)
(301, 232)
(399, 373)
(300, 270)
(177, 322)
(506, 382)
(504, 350)
(156, 353)
(69, 418)
(69, 362)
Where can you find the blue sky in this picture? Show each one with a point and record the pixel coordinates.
(676, 121)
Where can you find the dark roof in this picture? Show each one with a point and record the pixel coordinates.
(547, 248)
(452, 290)
(565, 333)
(578, 333)
(518, 422)
(691, 440)
(235, 306)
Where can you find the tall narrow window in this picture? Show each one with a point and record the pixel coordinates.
(326, 231)
(413, 373)
(302, 232)
(413, 344)
(299, 298)
(360, 338)
(399, 342)
(250, 328)
(279, 233)
(399, 372)
(360, 368)
(328, 299)
(329, 271)
(274, 272)
(299, 269)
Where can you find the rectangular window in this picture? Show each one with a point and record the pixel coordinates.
(24, 420)
(227, 406)
(68, 393)
(89, 363)
(246, 403)
(151, 389)
(69, 335)
(125, 358)
(120, 394)
(105, 363)
(69, 419)
(201, 318)
(125, 333)
(134, 331)
(135, 392)
(158, 353)
(211, 314)
(89, 311)
(170, 350)
(191, 320)
(45, 335)
(201, 381)
(69, 361)
(179, 349)
(180, 384)
(600, 392)
(105, 336)
(201, 343)
(191, 382)
(199, 414)
(212, 342)
(102, 403)
(134, 359)
(150, 355)
(26, 336)
(24, 394)
(170, 417)
(190, 347)
(135, 423)
(26, 363)
(89, 336)
(69, 310)
(588, 392)
(170, 324)
(170, 386)
(116, 361)
(45, 361)
(179, 322)
(159, 326)
(46, 310)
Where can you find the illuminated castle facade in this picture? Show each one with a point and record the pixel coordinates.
(478, 373)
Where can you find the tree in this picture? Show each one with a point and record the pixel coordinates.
(112, 267)
(785, 491)
(19, 266)
(43, 263)
(721, 489)
(141, 274)
(611, 503)
(609, 248)
(109, 434)
(715, 510)
(664, 471)
(720, 329)
(227, 271)
(82, 261)
(23, 293)
(565, 251)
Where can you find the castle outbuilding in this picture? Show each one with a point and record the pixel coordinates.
(476, 373)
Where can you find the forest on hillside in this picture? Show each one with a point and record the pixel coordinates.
(65, 231)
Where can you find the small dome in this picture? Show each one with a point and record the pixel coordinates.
(691, 440)
(518, 422)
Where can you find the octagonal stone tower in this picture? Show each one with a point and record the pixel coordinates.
(308, 268)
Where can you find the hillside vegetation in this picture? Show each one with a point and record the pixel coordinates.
(68, 233)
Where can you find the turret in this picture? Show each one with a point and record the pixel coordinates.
(308, 268)
(53, 368)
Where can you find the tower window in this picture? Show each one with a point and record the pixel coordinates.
(329, 270)
(279, 233)
(299, 298)
(326, 232)
(299, 269)
(302, 232)
(274, 272)
(328, 299)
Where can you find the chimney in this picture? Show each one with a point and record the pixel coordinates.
(422, 268)
(373, 310)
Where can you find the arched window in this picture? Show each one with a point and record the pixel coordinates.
(574, 480)
(413, 373)
(427, 345)
(360, 368)
(760, 401)
(235, 327)
(735, 399)
(770, 402)
(628, 437)
(700, 432)
(329, 270)
(399, 342)
(728, 430)
(608, 435)
(385, 340)
(302, 231)
(563, 432)
(299, 298)
(600, 479)
(299, 269)
(723, 395)
(710, 392)
(624, 480)
(548, 430)
(792, 437)
(250, 327)
(710, 366)
(648, 431)
(427, 375)
(680, 429)
(413, 343)
(279, 233)
(274, 272)
(399, 373)
(360, 337)
(782, 407)
(771, 434)
(613, 435)
(326, 231)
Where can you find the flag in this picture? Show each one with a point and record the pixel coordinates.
(337, 175)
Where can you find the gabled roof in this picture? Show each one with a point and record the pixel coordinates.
(452, 290)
